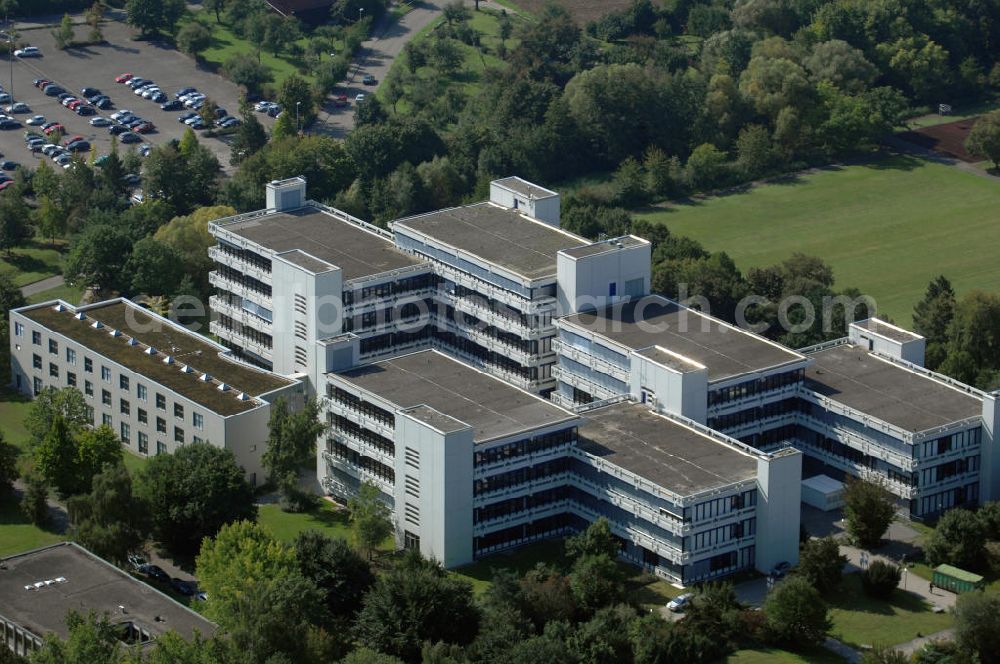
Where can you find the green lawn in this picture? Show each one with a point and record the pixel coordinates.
(34, 262)
(775, 656)
(13, 410)
(887, 228)
(326, 518)
(958, 113)
(71, 294)
(861, 620)
(17, 534)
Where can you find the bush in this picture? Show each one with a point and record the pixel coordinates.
(881, 579)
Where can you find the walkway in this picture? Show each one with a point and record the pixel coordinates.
(43, 285)
(903, 145)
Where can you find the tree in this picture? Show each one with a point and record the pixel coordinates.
(291, 441)
(250, 136)
(15, 227)
(216, 6)
(97, 258)
(977, 624)
(192, 493)
(95, 448)
(705, 167)
(545, 595)
(841, 64)
(370, 523)
(8, 466)
(932, 318)
(54, 457)
(340, 574)
(151, 16)
(883, 654)
(245, 70)
(596, 540)
(796, 613)
(821, 563)
(369, 111)
(67, 402)
(188, 236)
(984, 139)
(416, 602)
(880, 579)
(35, 502)
(50, 218)
(94, 15)
(958, 539)
(256, 591)
(194, 38)
(92, 639)
(155, 268)
(109, 521)
(184, 175)
(869, 508)
(597, 581)
(65, 34)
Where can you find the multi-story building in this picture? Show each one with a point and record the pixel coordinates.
(156, 384)
(473, 465)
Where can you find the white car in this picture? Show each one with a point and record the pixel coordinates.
(360, 98)
(35, 121)
(680, 602)
(100, 122)
(28, 52)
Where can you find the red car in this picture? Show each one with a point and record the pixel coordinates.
(73, 104)
(144, 128)
(72, 140)
(123, 78)
(341, 100)
(55, 127)
(4, 185)
(41, 83)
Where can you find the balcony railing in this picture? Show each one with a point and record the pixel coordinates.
(220, 255)
(590, 360)
(216, 279)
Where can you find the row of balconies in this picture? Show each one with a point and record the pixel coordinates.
(858, 442)
(363, 447)
(358, 472)
(219, 281)
(525, 460)
(753, 399)
(590, 360)
(240, 339)
(596, 390)
(362, 419)
(502, 295)
(239, 314)
(473, 308)
(218, 255)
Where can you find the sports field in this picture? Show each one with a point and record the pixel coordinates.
(887, 228)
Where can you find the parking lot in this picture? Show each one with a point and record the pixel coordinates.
(97, 67)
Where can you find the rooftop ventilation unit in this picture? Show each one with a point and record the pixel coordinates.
(97, 325)
(149, 350)
(204, 378)
(132, 341)
(79, 316)
(223, 387)
(59, 307)
(169, 359)
(115, 333)
(186, 369)
(242, 396)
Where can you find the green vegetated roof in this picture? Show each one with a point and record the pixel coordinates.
(186, 349)
(957, 573)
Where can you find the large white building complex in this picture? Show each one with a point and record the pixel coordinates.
(502, 380)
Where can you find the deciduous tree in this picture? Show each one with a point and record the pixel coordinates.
(370, 522)
(796, 613)
(984, 139)
(109, 521)
(194, 38)
(869, 508)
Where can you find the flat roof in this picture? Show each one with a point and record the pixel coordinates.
(490, 406)
(356, 251)
(524, 187)
(661, 450)
(886, 330)
(497, 235)
(914, 402)
(90, 584)
(186, 348)
(726, 351)
(604, 246)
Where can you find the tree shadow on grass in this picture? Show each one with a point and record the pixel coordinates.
(852, 597)
(896, 163)
(26, 263)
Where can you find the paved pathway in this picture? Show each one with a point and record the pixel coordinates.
(912, 148)
(913, 646)
(43, 285)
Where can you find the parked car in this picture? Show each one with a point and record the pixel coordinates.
(154, 572)
(132, 179)
(53, 128)
(35, 120)
(35, 144)
(64, 159)
(100, 121)
(19, 107)
(103, 103)
(72, 103)
(144, 128)
(4, 185)
(184, 117)
(78, 146)
(359, 98)
(9, 123)
(263, 106)
(228, 121)
(117, 130)
(28, 135)
(186, 588)
(72, 139)
(40, 83)
(130, 137)
(369, 80)
(123, 78)
(172, 105)
(781, 569)
(53, 90)
(274, 110)
(5, 98)
(341, 100)
(198, 125)
(9, 165)
(52, 149)
(158, 98)
(28, 52)
(680, 602)
(64, 96)
(120, 114)
(191, 120)
(84, 109)
(184, 91)
(136, 561)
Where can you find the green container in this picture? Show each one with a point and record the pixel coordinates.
(956, 580)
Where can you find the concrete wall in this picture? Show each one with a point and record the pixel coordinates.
(989, 470)
(543, 206)
(444, 477)
(285, 194)
(321, 295)
(779, 492)
(678, 392)
(911, 350)
(586, 283)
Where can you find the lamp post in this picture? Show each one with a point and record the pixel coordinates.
(298, 125)
(361, 13)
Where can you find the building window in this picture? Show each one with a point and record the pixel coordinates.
(88, 388)
(161, 402)
(36, 337)
(124, 407)
(140, 392)
(106, 397)
(178, 435)
(71, 379)
(125, 432)
(178, 411)
(36, 360)
(106, 374)
(71, 355)
(143, 441)
(106, 419)
(161, 425)
(36, 385)
(53, 369)
(90, 413)
(53, 346)
(197, 439)
(123, 382)
(18, 330)
(143, 418)
(161, 447)
(88, 365)
(198, 420)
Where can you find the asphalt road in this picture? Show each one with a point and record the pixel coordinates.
(375, 57)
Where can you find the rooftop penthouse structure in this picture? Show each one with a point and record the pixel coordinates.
(156, 384)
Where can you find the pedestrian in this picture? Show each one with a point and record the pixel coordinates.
(932, 587)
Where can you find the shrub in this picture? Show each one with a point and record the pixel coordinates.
(881, 579)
